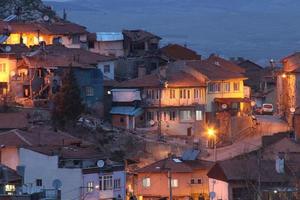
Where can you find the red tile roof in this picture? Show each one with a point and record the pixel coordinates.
(60, 56)
(173, 78)
(178, 52)
(12, 175)
(214, 71)
(225, 64)
(174, 166)
(57, 28)
(15, 120)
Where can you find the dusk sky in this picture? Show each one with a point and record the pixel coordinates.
(256, 29)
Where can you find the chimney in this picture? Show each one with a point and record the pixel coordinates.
(141, 71)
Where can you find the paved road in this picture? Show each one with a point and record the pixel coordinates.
(268, 125)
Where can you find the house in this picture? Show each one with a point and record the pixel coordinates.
(138, 42)
(69, 34)
(10, 181)
(176, 52)
(105, 182)
(270, 172)
(187, 178)
(288, 97)
(225, 86)
(39, 74)
(49, 162)
(9, 57)
(107, 43)
(173, 101)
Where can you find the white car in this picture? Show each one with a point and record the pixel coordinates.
(267, 108)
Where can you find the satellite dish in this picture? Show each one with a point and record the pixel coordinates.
(7, 49)
(292, 109)
(224, 106)
(152, 122)
(56, 184)
(46, 18)
(100, 163)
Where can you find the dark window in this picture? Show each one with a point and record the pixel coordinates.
(199, 181)
(76, 39)
(106, 69)
(91, 45)
(121, 119)
(39, 182)
(192, 181)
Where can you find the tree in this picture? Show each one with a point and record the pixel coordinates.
(67, 105)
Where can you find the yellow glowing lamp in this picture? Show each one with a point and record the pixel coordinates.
(283, 75)
(211, 132)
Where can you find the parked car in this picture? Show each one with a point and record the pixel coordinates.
(267, 108)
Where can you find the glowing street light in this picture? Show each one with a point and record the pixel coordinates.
(283, 75)
(211, 132)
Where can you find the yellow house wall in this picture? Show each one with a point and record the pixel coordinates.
(231, 94)
(11, 65)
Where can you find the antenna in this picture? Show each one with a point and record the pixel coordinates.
(100, 163)
(46, 18)
(7, 49)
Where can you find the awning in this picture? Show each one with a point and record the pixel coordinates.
(232, 100)
(126, 110)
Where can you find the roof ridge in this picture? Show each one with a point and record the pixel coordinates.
(21, 137)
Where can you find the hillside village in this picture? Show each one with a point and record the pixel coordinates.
(116, 115)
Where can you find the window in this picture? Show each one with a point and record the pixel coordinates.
(157, 94)
(196, 181)
(150, 116)
(89, 91)
(226, 86)
(122, 119)
(106, 68)
(2, 67)
(236, 86)
(196, 93)
(182, 94)
(76, 39)
(117, 183)
(188, 94)
(107, 183)
(172, 115)
(174, 183)
(146, 182)
(185, 115)
(90, 186)
(150, 94)
(172, 94)
(39, 182)
(165, 116)
(199, 115)
(10, 189)
(214, 87)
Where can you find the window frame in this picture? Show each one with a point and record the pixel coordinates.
(146, 182)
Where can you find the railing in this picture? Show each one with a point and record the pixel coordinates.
(15, 197)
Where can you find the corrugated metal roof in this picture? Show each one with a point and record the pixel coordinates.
(126, 110)
(109, 36)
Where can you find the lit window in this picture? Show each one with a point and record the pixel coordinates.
(106, 68)
(146, 182)
(236, 86)
(90, 186)
(199, 115)
(174, 183)
(117, 183)
(185, 115)
(2, 67)
(89, 91)
(226, 87)
(10, 189)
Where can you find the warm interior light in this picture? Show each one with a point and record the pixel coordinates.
(283, 75)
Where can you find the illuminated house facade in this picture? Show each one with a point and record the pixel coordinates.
(172, 100)
(188, 179)
(69, 34)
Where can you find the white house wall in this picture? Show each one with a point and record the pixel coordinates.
(110, 75)
(40, 166)
(220, 188)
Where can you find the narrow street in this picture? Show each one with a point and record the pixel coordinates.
(267, 125)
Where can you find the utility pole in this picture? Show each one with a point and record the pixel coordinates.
(170, 184)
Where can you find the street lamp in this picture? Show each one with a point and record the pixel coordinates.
(211, 132)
